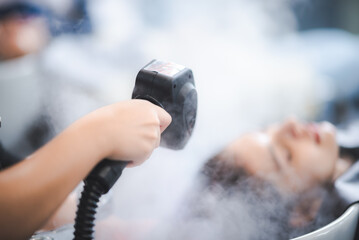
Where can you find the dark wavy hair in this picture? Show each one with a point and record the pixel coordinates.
(229, 203)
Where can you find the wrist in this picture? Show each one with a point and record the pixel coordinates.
(98, 132)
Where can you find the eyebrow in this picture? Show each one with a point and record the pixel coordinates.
(274, 157)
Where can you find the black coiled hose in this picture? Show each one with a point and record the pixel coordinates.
(85, 215)
(99, 181)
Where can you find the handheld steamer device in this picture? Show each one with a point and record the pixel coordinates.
(168, 85)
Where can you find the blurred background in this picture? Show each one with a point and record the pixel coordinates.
(254, 61)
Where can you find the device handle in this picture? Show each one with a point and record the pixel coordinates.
(106, 173)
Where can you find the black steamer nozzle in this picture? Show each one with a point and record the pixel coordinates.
(168, 85)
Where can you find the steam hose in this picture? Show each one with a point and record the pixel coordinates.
(98, 182)
(86, 210)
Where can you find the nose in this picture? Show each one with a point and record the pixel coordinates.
(292, 124)
(294, 128)
(291, 128)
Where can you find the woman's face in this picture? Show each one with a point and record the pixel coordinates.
(293, 155)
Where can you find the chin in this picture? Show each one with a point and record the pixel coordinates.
(328, 134)
(328, 128)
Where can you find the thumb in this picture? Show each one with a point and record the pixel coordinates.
(164, 117)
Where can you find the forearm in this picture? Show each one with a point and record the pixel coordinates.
(33, 189)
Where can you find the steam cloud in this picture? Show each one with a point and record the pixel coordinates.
(245, 79)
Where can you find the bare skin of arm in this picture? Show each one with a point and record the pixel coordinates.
(33, 189)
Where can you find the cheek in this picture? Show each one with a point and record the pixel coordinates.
(316, 164)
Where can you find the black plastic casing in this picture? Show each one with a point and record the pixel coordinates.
(170, 86)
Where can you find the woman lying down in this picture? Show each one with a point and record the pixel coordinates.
(277, 183)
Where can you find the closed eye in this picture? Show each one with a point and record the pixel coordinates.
(274, 157)
(289, 156)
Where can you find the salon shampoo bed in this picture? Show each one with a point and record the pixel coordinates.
(343, 228)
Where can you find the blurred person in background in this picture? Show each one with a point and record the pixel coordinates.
(30, 104)
(28, 93)
(24, 33)
(24, 30)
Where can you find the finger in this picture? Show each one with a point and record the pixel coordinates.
(131, 164)
(164, 117)
(141, 160)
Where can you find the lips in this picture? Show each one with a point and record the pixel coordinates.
(314, 130)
